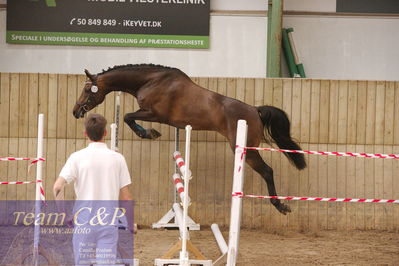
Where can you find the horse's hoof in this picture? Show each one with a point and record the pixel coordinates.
(152, 134)
(148, 134)
(284, 209)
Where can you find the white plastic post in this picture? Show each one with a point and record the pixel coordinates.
(113, 136)
(179, 219)
(39, 197)
(117, 112)
(39, 154)
(187, 176)
(238, 183)
(219, 238)
(177, 136)
(294, 51)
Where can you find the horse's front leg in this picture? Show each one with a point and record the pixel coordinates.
(142, 115)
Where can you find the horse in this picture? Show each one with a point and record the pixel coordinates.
(167, 95)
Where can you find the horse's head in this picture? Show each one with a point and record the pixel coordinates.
(92, 95)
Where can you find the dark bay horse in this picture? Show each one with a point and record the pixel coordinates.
(167, 95)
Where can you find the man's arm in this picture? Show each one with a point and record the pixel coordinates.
(124, 196)
(58, 187)
(124, 193)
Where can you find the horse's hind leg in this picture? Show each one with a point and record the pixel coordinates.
(256, 162)
(143, 115)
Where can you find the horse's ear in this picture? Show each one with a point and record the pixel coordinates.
(90, 76)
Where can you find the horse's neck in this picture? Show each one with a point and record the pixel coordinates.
(129, 83)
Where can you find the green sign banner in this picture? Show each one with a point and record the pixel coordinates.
(140, 23)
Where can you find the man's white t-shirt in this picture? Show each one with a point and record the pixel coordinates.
(99, 173)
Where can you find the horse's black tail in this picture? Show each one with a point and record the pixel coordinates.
(278, 128)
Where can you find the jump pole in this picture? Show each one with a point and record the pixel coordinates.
(114, 137)
(238, 183)
(39, 197)
(116, 119)
(115, 126)
(222, 245)
(219, 239)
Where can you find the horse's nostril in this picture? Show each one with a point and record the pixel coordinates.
(76, 113)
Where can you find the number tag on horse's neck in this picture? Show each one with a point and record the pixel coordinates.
(94, 89)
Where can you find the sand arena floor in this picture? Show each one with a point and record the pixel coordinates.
(261, 248)
(285, 248)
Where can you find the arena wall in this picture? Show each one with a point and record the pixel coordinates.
(330, 47)
(326, 115)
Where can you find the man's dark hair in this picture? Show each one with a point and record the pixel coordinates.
(95, 126)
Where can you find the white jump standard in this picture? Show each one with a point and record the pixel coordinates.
(169, 219)
(184, 246)
(238, 184)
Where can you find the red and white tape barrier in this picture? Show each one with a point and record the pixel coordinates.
(241, 195)
(34, 160)
(42, 197)
(344, 154)
(20, 182)
(180, 163)
(179, 186)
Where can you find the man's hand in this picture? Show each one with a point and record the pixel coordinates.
(58, 188)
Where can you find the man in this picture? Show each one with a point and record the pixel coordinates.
(99, 174)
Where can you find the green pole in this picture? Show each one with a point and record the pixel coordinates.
(274, 28)
(51, 3)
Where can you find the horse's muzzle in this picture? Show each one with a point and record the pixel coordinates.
(80, 112)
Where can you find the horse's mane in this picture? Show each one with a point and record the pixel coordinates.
(131, 66)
